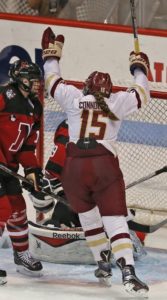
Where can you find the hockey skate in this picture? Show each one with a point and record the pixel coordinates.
(104, 272)
(3, 277)
(130, 281)
(26, 264)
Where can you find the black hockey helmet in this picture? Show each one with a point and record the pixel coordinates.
(98, 82)
(21, 69)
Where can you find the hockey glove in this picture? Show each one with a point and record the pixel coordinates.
(42, 202)
(35, 176)
(56, 187)
(63, 216)
(139, 60)
(51, 45)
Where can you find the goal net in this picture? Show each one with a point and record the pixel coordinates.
(97, 11)
(142, 149)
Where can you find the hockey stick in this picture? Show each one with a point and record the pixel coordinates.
(22, 178)
(146, 228)
(132, 225)
(134, 26)
(155, 173)
(69, 229)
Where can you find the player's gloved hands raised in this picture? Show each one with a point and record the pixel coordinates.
(51, 45)
(139, 60)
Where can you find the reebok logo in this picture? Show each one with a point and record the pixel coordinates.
(73, 236)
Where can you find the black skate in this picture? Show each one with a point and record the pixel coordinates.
(104, 272)
(3, 277)
(26, 264)
(131, 283)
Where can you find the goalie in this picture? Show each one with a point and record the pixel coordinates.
(61, 215)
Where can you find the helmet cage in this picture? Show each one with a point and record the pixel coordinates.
(21, 69)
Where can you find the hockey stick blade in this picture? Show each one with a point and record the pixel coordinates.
(157, 172)
(145, 228)
(22, 178)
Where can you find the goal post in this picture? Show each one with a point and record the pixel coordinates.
(142, 149)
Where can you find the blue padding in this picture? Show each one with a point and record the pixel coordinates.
(130, 131)
(153, 134)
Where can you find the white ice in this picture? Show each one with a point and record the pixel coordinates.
(70, 282)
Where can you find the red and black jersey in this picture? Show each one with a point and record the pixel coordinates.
(56, 160)
(19, 127)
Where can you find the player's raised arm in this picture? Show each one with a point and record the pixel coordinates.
(139, 68)
(57, 88)
(51, 53)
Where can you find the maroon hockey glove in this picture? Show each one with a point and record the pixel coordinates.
(139, 60)
(51, 45)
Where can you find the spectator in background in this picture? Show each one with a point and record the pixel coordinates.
(17, 7)
(64, 9)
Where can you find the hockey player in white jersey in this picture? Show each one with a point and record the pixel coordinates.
(94, 117)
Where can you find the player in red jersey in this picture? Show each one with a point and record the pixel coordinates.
(62, 214)
(20, 115)
(92, 179)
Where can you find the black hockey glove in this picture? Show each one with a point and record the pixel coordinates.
(56, 187)
(41, 201)
(64, 216)
(35, 176)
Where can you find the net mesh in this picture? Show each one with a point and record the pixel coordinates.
(142, 149)
(95, 10)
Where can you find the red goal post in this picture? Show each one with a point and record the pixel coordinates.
(142, 149)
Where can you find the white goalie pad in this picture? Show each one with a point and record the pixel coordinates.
(56, 245)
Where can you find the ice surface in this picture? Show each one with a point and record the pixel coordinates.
(70, 282)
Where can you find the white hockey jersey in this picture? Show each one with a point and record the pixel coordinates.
(85, 117)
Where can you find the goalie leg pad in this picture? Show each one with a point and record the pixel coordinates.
(69, 245)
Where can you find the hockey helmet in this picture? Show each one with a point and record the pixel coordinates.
(22, 69)
(98, 82)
